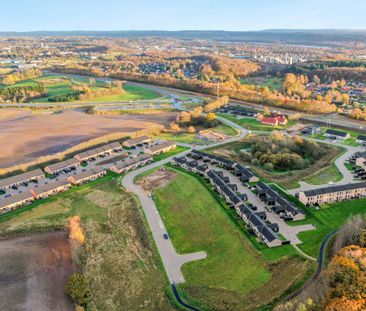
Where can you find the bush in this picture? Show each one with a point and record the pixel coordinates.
(77, 288)
(268, 166)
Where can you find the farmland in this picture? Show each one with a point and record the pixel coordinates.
(234, 270)
(49, 132)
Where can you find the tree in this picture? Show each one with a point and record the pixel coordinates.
(174, 127)
(191, 130)
(266, 112)
(77, 288)
(210, 117)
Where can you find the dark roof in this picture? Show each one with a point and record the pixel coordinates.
(332, 189)
(336, 133)
(361, 137)
(244, 171)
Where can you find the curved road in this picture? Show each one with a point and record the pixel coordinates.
(171, 259)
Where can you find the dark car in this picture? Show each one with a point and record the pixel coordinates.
(165, 236)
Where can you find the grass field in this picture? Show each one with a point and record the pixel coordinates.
(233, 271)
(225, 129)
(181, 138)
(60, 85)
(324, 176)
(326, 219)
(170, 153)
(253, 124)
(272, 83)
(120, 260)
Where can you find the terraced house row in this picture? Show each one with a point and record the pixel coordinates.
(256, 221)
(332, 194)
(245, 174)
(278, 203)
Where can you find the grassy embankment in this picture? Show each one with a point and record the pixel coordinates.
(235, 273)
(119, 260)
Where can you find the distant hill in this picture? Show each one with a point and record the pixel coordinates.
(291, 36)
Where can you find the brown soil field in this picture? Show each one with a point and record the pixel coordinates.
(25, 136)
(34, 270)
(157, 179)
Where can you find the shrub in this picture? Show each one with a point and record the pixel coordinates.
(77, 288)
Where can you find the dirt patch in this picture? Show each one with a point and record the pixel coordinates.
(25, 136)
(158, 179)
(34, 270)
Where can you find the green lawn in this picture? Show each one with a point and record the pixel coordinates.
(225, 129)
(272, 83)
(238, 270)
(196, 222)
(253, 124)
(168, 154)
(181, 138)
(324, 176)
(328, 218)
(133, 93)
(65, 83)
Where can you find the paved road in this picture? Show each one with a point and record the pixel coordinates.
(171, 259)
(340, 164)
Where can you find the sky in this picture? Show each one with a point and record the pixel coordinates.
(237, 15)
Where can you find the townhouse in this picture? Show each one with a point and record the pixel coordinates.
(217, 180)
(332, 194)
(62, 166)
(99, 151)
(334, 134)
(277, 203)
(238, 111)
(361, 139)
(44, 191)
(130, 164)
(160, 148)
(256, 222)
(245, 174)
(136, 142)
(15, 201)
(87, 176)
(21, 179)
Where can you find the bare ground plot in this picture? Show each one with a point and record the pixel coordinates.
(25, 137)
(157, 179)
(33, 272)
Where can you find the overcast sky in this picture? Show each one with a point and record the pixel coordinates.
(28, 15)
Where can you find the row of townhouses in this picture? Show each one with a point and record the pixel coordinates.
(130, 164)
(332, 194)
(37, 192)
(278, 203)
